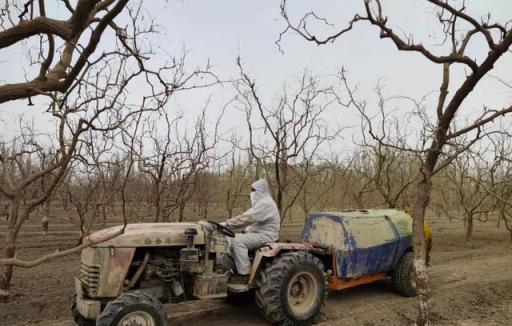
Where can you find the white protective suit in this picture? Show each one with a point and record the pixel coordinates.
(263, 224)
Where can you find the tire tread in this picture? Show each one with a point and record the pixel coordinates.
(401, 276)
(269, 287)
(114, 307)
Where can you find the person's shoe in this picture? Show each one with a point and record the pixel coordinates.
(238, 283)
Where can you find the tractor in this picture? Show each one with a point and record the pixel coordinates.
(127, 279)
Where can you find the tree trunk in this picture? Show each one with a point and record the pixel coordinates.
(469, 228)
(9, 250)
(6, 275)
(205, 210)
(104, 213)
(83, 232)
(280, 203)
(304, 204)
(156, 210)
(422, 279)
(181, 210)
(507, 225)
(156, 202)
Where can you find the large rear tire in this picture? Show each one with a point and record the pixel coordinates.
(403, 276)
(133, 308)
(291, 289)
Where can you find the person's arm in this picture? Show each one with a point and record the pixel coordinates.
(241, 220)
(252, 215)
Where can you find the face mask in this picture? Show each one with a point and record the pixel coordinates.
(253, 197)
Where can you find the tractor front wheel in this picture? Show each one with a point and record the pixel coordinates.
(77, 317)
(291, 289)
(133, 308)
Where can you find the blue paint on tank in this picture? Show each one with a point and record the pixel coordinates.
(404, 244)
(371, 260)
(353, 259)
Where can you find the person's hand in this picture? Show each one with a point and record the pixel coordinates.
(224, 224)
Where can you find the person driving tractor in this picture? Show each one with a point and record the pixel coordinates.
(262, 222)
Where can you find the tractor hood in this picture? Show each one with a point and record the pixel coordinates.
(148, 235)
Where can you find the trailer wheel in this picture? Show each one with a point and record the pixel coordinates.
(133, 308)
(77, 317)
(291, 289)
(403, 276)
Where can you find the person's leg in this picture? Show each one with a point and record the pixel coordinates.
(241, 244)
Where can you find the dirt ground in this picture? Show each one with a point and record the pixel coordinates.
(471, 285)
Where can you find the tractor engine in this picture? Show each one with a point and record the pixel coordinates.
(165, 271)
(180, 273)
(172, 262)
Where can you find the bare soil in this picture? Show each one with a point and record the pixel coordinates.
(471, 285)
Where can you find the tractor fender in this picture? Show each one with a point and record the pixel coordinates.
(272, 250)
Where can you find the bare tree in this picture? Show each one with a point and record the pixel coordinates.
(88, 95)
(352, 189)
(463, 181)
(79, 35)
(30, 172)
(498, 182)
(194, 155)
(94, 180)
(155, 163)
(389, 171)
(321, 179)
(296, 130)
(460, 29)
(237, 181)
(204, 195)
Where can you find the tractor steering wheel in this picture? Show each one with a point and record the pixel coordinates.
(223, 229)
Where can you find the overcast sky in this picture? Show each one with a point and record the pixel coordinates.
(220, 30)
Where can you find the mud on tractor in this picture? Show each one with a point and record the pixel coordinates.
(125, 281)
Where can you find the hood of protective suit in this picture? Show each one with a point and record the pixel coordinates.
(261, 190)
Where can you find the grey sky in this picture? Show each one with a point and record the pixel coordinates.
(220, 30)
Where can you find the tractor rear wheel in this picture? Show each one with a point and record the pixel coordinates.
(291, 289)
(133, 308)
(403, 276)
